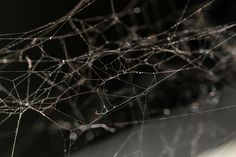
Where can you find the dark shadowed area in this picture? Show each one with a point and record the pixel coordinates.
(116, 78)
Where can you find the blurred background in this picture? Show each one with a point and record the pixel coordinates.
(24, 15)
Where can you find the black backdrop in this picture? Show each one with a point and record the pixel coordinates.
(16, 16)
(23, 15)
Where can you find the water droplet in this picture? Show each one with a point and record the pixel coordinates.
(166, 111)
(73, 136)
(4, 60)
(137, 10)
(33, 42)
(27, 104)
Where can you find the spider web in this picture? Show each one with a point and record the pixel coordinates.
(95, 71)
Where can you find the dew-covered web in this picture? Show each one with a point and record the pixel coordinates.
(109, 65)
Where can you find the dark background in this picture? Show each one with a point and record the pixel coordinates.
(23, 15)
(20, 16)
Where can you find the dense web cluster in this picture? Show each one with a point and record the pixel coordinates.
(95, 71)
